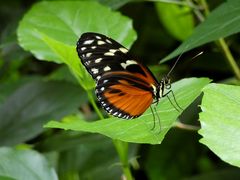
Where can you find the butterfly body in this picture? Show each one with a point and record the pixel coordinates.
(124, 87)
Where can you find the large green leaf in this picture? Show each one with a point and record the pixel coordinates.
(25, 164)
(66, 21)
(50, 31)
(220, 121)
(30, 106)
(221, 22)
(139, 130)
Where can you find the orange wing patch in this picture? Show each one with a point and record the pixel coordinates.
(128, 99)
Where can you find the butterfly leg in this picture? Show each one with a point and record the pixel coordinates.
(158, 118)
(154, 123)
(179, 107)
(155, 116)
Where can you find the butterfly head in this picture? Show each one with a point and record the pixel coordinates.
(166, 82)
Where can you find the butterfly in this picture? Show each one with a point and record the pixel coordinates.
(124, 87)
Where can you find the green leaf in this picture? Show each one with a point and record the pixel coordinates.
(114, 4)
(65, 25)
(88, 160)
(139, 130)
(178, 20)
(69, 56)
(221, 22)
(51, 32)
(220, 121)
(24, 164)
(34, 103)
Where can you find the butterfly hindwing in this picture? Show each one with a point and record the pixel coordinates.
(123, 95)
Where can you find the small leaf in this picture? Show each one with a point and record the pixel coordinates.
(24, 112)
(139, 130)
(220, 121)
(220, 23)
(24, 164)
(178, 20)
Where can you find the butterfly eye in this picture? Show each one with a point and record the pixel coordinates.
(166, 81)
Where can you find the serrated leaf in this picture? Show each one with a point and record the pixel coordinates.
(221, 22)
(25, 164)
(176, 19)
(220, 121)
(139, 130)
(24, 112)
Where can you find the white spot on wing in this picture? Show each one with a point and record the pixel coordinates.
(123, 50)
(115, 113)
(107, 68)
(109, 41)
(102, 88)
(88, 54)
(94, 47)
(98, 60)
(109, 54)
(87, 63)
(88, 41)
(94, 70)
(98, 77)
(128, 62)
(100, 42)
(124, 65)
(113, 50)
(83, 48)
(98, 37)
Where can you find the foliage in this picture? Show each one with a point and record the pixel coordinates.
(44, 86)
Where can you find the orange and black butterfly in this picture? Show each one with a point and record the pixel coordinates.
(124, 87)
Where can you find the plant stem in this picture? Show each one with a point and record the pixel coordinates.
(121, 147)
(229, 58)
(91, 99)
(223, 45)
(181, 125)
(122, 150)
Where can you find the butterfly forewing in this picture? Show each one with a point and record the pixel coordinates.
(100, 54)
(125, 88)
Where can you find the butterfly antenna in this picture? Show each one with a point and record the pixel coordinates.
(179, 59)
(197, 55)
(175, 63)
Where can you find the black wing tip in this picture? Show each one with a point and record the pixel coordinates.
(89, 35)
